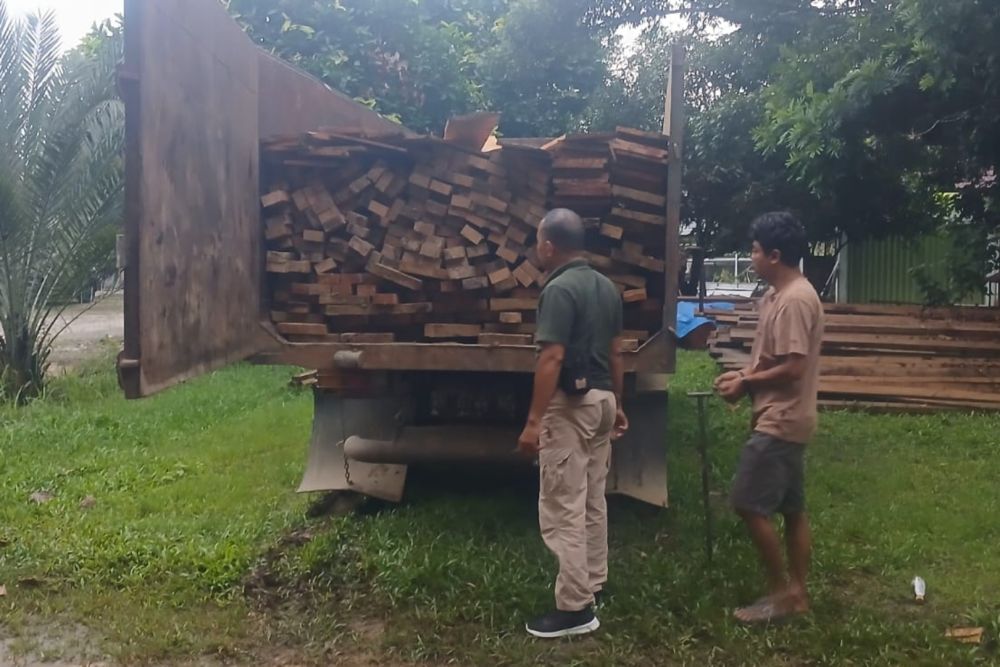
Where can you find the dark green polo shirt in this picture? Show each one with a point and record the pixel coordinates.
(579, 306)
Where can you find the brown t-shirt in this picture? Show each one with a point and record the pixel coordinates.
(791, 322)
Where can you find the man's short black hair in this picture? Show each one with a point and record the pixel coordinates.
(564, 229)
(781, 231)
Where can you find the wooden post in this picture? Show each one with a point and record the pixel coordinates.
(673, 126)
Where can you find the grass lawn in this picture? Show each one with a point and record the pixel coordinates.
(196, 545)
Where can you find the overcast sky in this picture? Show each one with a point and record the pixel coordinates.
(74, 16)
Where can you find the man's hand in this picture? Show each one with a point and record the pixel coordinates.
(528, 442)
(730, 386)
(621, 425)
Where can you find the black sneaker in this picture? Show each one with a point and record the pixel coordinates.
(601, 598)
(563, 624)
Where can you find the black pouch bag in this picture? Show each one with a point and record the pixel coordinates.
(574, 378)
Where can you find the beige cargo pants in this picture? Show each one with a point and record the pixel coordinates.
(572, 511)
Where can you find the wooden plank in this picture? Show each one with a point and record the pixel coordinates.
(368, 338)
(313, 235)
(471, 235)
(275, 198)
(508, 255)
(476, 282)
(416, 308)
(301, 329)
(656, 139)
(506, 285)
(394, 276)
(299, 266)
(505, 339)
(621, 213)
(580, 163)
(277, 229)
(331, 218)
(342, 300)
(452, 330)
(649, 263)
(628, 280)
(527, 274)
(360, 246)
(379, 210)
(422, 181)
(432, 248)
(424, 269)
(440, 187)
(511, 318)
(478, 250)
(513, 304)
(326, 266)
(276, 257)
(631, 194)
(611, 231)
(634, 295)
(875, 388)
(519, 234)
(461, 271)
(636, 150)
(894, 342)
(382, 299)
(324, 135)
(956, 313)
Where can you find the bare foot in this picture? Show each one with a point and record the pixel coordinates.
(773, 608)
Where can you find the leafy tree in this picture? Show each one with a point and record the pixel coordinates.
(60, 188)
(859, 114)
(414, 61)
(537, 62)
(543, 68)
(896, 113)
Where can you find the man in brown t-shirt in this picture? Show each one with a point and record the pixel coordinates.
(781, 381)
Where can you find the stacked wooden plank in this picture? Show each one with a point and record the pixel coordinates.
(890, 358)
(377, 239)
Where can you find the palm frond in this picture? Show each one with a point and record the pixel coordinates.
(61, 188)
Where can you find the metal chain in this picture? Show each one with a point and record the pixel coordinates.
(343, 447)
(347, 464)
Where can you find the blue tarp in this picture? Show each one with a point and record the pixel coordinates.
(687, 321)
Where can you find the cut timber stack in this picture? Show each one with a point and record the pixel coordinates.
(378, 239)
(891, 358)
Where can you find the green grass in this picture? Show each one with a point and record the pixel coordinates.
(194, 492)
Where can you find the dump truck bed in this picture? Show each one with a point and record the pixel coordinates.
(200, 97)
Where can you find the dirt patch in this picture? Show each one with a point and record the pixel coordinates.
(90, 329)
(50, 645)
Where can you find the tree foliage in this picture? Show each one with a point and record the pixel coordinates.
(422, 61)
(861, 115)
(60, 187)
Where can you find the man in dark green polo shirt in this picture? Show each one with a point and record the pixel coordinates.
(576, 410)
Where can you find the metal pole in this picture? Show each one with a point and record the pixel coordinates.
(700, 397)
(673, 125)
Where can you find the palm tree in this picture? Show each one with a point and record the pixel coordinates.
(61, 182)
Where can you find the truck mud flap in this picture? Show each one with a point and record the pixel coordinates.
(335, 419)
(639, 459)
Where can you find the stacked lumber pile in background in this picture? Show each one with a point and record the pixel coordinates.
(380, 239)
(890, 358)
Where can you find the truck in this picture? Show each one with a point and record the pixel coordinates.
(200, 97)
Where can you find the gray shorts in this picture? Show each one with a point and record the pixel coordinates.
(771, 477)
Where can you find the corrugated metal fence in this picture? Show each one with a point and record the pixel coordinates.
(880, 270)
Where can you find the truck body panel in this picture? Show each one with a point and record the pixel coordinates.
(200, 97)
